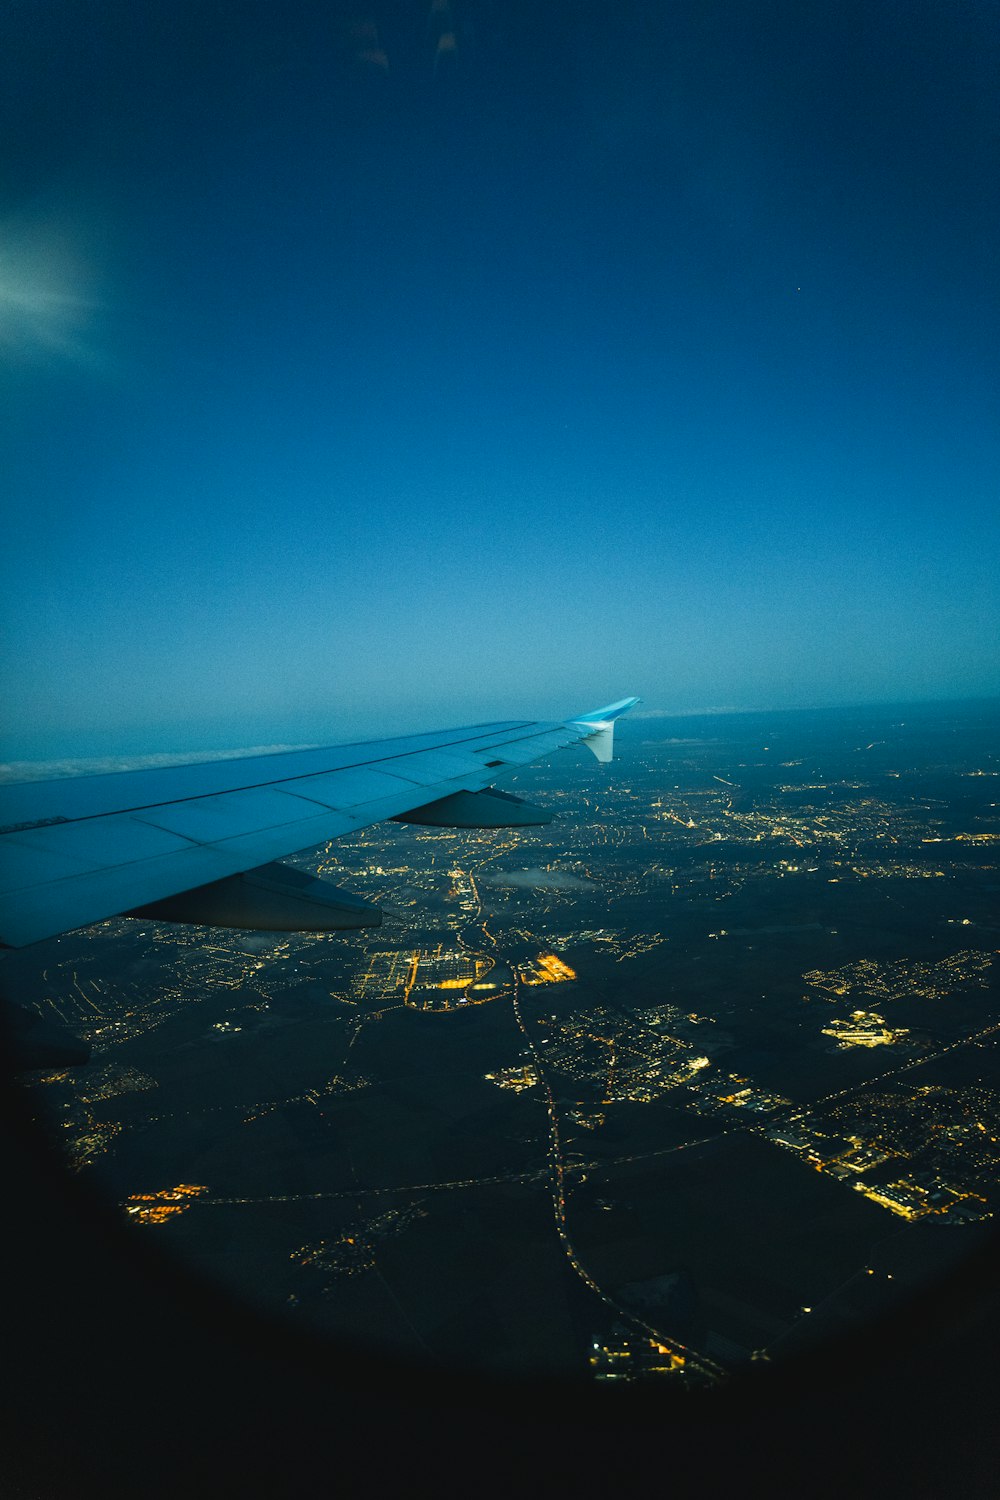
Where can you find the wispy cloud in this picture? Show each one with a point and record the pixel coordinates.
(46, 312)
(537, 879)
(99, 765)
(684, 713)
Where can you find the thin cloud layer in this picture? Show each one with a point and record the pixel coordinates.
(45, 312)
(99, 765)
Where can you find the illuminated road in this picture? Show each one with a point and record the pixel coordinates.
(906, 1067)
(558, 1170)
(692, 1362)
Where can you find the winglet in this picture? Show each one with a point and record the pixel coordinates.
(600, 723)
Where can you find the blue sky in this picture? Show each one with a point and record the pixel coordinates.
(354, 385)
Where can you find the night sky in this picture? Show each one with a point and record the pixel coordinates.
(374, 368)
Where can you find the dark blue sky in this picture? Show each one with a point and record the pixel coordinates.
(635, 348)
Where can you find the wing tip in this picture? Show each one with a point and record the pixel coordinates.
(600, 726)
(609, 713)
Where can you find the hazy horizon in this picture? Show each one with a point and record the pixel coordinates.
(141, 749)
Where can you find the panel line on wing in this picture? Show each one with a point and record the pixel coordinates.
(61, 872)
(25, 801)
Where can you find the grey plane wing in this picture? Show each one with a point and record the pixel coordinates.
(202, 842)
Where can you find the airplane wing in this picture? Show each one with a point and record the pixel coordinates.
(201, 843)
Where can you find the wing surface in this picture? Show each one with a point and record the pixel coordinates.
(79, 849)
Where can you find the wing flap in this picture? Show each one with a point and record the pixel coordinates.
(354, 788)
(41, 911)
(522, 752)
(22, 866)
(432, 767)
(262, 845)
(209, 820)
(98, 842)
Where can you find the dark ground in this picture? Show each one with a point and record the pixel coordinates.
(125, 1377)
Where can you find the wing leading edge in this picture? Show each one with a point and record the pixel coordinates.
(182, 839)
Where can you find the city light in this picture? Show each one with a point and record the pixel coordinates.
(696, 1003)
